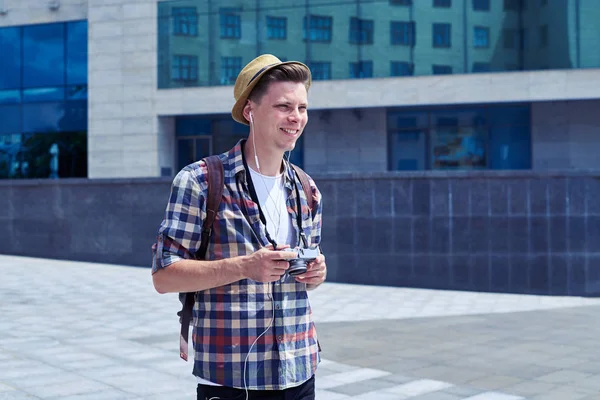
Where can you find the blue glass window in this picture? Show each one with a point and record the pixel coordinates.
(10, 61)
(543, 36)
(513, 5)
(481, 37)
(43, 99)
(185, 21)
(495, 137)
(511, 38)
(44, 55)
(10, 96)
(361, 69)
(318, 29)
(276, 28)
(79, 92)
(481, 5)
(230, 68)
(402, 33)
(77, 53)
(401, 68)
(184, 68)
(441, 69)
(442, 3)
(192, 126)
(361, 31)
(401, 2)
(43, 94)
(442, 35)
(10, 115)
(231, 23)
(320, 70)
(55, 117)
(481, 67)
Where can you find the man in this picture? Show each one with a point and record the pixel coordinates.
(253, 335)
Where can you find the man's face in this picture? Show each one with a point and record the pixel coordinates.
(280, 117)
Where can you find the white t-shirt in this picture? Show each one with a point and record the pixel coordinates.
(272, 198)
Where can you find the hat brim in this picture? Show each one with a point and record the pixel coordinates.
(237, 112)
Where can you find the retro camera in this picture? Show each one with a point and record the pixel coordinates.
(298, 264)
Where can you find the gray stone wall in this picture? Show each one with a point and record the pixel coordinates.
(508, 232)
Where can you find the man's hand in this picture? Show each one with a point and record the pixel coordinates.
(267, 264)
(316, 272)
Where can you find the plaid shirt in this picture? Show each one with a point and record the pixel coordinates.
(228, 319)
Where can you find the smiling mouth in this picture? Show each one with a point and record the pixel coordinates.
(290, 131)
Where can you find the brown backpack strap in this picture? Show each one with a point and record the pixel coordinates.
(215, 192)
(305, 182)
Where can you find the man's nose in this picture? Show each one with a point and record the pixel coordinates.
(295, 115)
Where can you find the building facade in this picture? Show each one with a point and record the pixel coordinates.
(454, 140)
(141, 88)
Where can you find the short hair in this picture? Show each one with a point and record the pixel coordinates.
(280, 73)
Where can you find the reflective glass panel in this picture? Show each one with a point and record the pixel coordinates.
(483, 137)
(43, 55)
(10, 147)
(10, 96)
(77, 52)
(185, 152)
(79, 92)
(43, 94)
(10, 117)
(69, 149)
(408, 150)
(471, 36)
(10, 58)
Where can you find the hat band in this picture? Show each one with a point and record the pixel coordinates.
(259, 72)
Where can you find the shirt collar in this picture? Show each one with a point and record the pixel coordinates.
(235, 159)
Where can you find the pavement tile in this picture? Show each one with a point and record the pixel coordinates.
(6, 388)
(437, 396)
(400, 342)
(66, 389)
(564, 377)
(357, 388)
(494, 382)
(16, 396)
(418, 387)
(328, 395)
(348, 377)
(111, 394)
(565, 393)
(493, 396)
(529, 388)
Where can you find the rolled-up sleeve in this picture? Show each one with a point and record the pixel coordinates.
(179, 233)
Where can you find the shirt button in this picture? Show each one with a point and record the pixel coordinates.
(279, 338)
(278, 306)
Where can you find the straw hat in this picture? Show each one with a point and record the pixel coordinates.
(249, 77)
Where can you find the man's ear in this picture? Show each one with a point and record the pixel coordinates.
(247, 110)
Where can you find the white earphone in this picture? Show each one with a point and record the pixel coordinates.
(254, 143)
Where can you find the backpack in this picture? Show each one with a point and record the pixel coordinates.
(216, 182)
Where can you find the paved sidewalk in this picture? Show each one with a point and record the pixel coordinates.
(73, 330)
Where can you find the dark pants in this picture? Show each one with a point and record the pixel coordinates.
(306, 391)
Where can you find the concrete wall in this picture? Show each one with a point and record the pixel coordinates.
(123, 132)
(508, 232)
(346, 141)
(565, 135)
